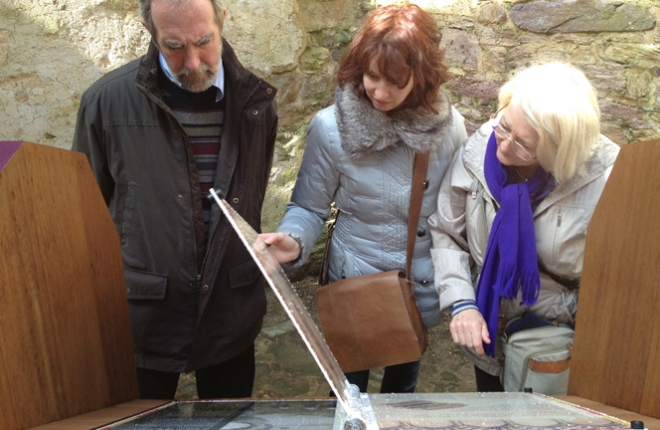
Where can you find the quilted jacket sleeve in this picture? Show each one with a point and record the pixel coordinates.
(317, 182)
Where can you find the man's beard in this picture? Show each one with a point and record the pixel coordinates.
(198, 81)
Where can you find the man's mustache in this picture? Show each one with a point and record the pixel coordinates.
(203, 68)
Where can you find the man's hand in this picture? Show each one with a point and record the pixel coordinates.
(468, 328)
(281, 246)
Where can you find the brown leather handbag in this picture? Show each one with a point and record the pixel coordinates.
(373, 320)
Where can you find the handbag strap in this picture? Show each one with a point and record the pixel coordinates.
(420, 168)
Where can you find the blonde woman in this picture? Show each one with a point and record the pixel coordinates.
(513, 210)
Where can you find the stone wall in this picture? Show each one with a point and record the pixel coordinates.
(51, 50)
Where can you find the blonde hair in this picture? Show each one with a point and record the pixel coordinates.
(560, 103)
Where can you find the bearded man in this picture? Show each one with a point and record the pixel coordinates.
(158, 133)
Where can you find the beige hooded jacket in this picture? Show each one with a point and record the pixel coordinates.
(465, 214)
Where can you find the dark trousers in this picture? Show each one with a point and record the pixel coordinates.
(229, 380)
(487, 383)
(400, 378)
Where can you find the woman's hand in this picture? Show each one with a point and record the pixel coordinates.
(281, 246)
(468, 328)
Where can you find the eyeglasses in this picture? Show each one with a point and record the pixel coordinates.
(518, 148)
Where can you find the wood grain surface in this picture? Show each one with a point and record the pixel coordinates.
(616, 356)
(102, 417)
(66, 340)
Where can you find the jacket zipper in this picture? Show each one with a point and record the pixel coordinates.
(484, 185)
(198, 279)
(210, 239)
(559, 217)
(206, 255)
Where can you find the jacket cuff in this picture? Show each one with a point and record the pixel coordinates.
(298, 261)
(463, 305)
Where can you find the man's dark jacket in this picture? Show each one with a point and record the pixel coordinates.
(189, 308)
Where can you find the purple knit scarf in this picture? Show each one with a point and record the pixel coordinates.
(510, 264)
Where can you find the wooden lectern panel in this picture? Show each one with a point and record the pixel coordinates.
(616, 355)
(66, 341)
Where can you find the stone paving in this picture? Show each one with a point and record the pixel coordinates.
(285, 368)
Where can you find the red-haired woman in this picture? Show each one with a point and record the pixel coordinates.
(359, 154)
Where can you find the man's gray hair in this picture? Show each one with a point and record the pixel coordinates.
(145, 12)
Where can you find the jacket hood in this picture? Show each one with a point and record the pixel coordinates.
(364, 129)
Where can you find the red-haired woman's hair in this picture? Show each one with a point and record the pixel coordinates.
(403, 40)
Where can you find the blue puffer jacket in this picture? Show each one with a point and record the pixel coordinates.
(362, 159)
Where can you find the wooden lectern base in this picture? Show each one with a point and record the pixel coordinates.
(101, 417)
(66, 337)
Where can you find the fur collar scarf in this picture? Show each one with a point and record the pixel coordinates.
(364, 129)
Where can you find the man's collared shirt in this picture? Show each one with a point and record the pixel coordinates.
(219, 82)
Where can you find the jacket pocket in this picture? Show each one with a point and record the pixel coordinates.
(145, 286)
(570, 230)
(131, 195)
(131, 226)
(243, 274)
(337, 263)
(479, 215)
